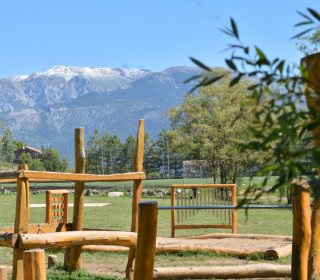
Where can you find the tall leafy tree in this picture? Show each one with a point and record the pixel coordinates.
(7, 145)
(209, 122)
(52, 160)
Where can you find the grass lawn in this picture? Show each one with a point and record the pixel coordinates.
(117, 217)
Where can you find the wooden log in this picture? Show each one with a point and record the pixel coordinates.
(137, 192)
(34, 265)
(3, 272)
(223, 272)
(105, 248)
(77, 238)
(49, 176)
(278, 253)
(73, 257)
(21, 222)
(312, 93)
(146, 242)
(238, 236)
(301, 239)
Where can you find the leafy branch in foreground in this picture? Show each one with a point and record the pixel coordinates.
(282, 124)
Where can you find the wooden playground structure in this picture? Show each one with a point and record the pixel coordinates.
(28, 240)
(204, 195)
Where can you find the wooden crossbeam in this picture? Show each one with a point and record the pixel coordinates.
(82, 177)
(77, 238)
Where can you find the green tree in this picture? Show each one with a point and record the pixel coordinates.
(310, 43)
(33, 164)
(209, 122)
(52, 161)
(281, 120)
(7, 146)
(128, 154)
(151, 157)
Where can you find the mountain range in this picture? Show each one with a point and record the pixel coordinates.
(43, 108)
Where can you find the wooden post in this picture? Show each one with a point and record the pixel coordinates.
(3, 272)
(173, 212)
(73, 258)
(312, 93)
(48, 207)
(234, 212)
(137, 192)
(301, 235)
(146, 242)
(34, 265)
(21, 222)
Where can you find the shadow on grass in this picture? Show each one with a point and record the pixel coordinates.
(58, 273)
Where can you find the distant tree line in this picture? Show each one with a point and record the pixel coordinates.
(107, 154)
(50, 160)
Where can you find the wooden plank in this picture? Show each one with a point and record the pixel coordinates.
(83, 177)
(77, 238)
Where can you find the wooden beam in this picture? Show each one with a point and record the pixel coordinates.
(137, 192)
(82, 177)
(77, 238)
(301, 234)
(73, 256)
(223, 272)
(146, 241)
(21, 222)
(312, 93)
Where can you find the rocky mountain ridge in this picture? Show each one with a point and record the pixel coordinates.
(44, 108)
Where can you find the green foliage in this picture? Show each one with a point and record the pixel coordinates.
(7, 146)
(33, 164)
(209, 122)
(52, 161)
(281, 124)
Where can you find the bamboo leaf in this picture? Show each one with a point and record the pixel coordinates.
(302, 33)
(231, 64)
(234, 28)
(314, 14)
(200, 64)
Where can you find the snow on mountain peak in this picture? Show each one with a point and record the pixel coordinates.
(69, 72)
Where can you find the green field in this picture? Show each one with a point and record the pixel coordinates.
(116, 216)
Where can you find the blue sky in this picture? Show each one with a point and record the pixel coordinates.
(150, 34)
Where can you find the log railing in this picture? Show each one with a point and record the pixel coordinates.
(24, 176)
